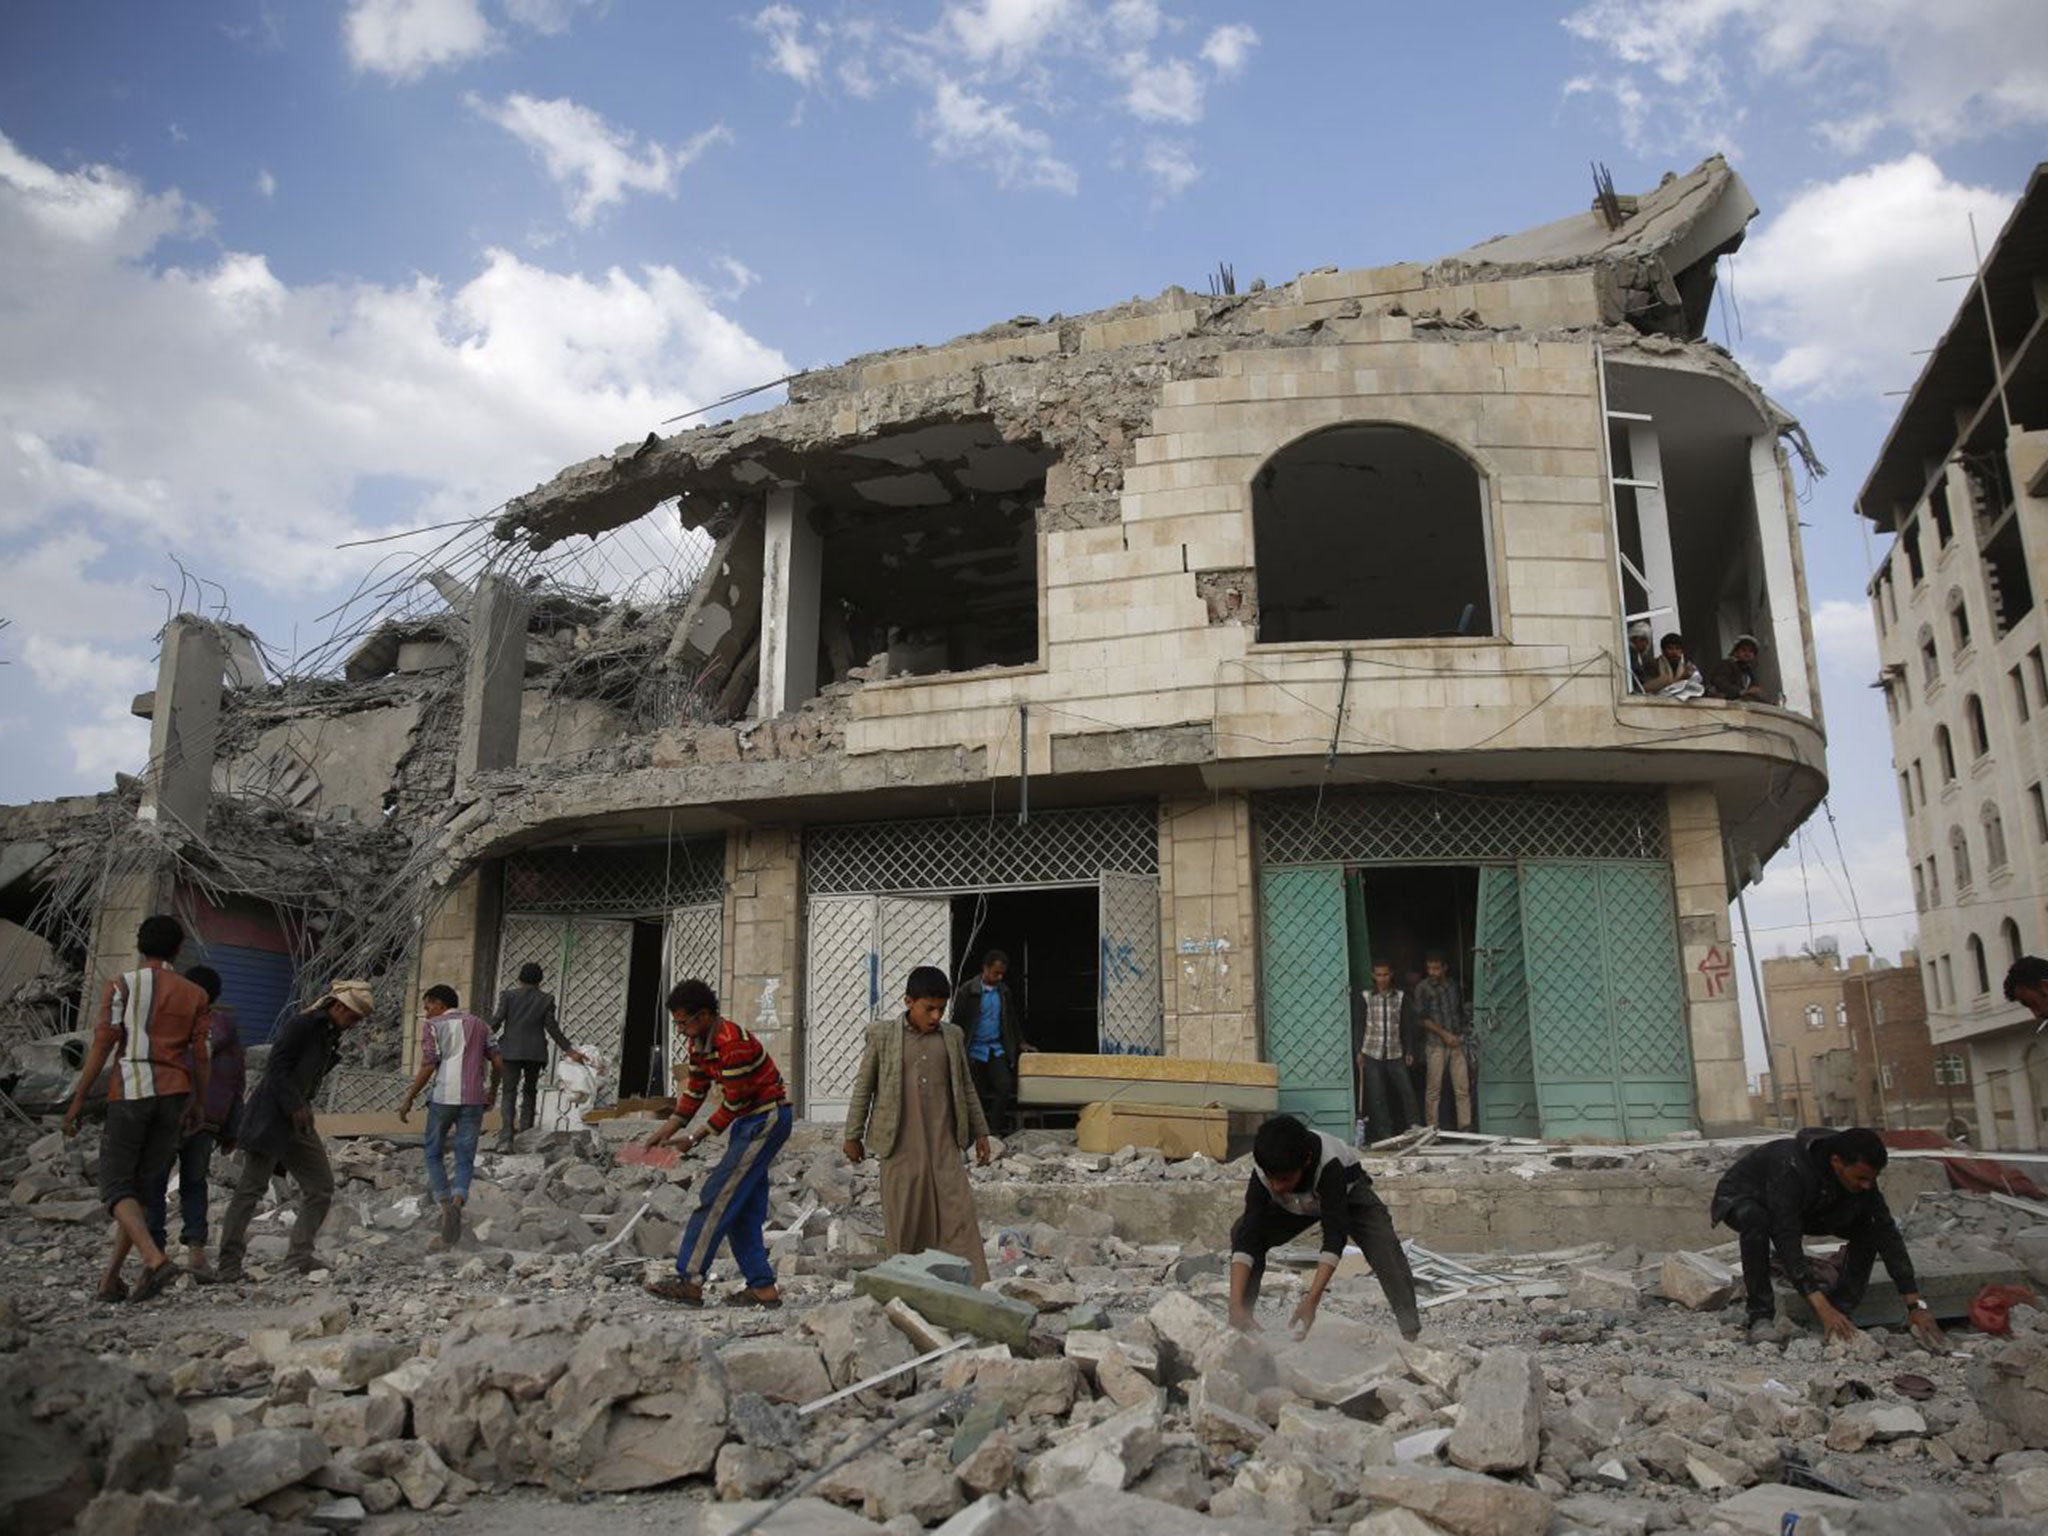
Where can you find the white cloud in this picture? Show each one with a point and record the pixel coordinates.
(1171, 167)
(547, 16)
(249, 425)
(739, 276)
(1164, 91)
(1008, 29)
(1937, 73)
(788, 53)
(1845, 637)
(965, 126)
(266, 184)
(1842, 284)
(1229, 48)
(595, 163)
(403, 39)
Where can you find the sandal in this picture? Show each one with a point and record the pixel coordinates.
(746, 1296)
(675, 1288)
(154, 1280)
(113, 1290)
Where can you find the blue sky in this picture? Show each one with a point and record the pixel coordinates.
(277, 275)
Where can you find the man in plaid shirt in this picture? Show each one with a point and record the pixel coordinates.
(1381, 1041)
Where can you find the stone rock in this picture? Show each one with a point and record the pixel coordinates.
(1394, 1522)
(1339, 1444)
(360, 1420)
(1024, 1387)
(1500, 1428)
(1089, 1347)
(1696, 1282)
(1220, 1412)
(517, 1352)
(1439, 1368)
(1091, 1512)
(1423, 1445)
(1462, 1503)
(1340, 1363)
(2023, 1492)
(1760, 1511)
(343, 1514)
(1858, 1424)
(884, 1488)
(1604, 1290)
(1040, 1294)
(780, 1369)
(858, 1341)
(2010, 1384)
(924, 1335)
(348, 1362)
(990, 1468)
(1202, 1341)
(936, 1285)
(629, 1411)
(1112, 1454)
(1180, 1476)
(799, 1517)
(76, 1426)
(115, 1513)
(2030, 1247)
(250, 1467)
(750, 1471)
(1128, 1377)
(1283, 1493)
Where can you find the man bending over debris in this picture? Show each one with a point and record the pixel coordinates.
(1300, 1177)
(1818, 1182)
(277, 1128)
(454, 1046)
(913, 1099)
(732, 1201)
(153, 1022)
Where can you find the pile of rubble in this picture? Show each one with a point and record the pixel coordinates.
(507, 1380)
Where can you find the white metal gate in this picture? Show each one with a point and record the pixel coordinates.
(585, 961)
(860, 949)
(1129, 1018)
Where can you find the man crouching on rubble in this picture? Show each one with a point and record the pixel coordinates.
(1818, 1182)
(1301, 1177)
(732, 1200)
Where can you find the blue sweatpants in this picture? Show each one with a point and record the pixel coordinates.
(732, 1202)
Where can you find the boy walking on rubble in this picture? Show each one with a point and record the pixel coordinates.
(732, 1200)
(454, 1049)
(1301, 1177)
(913, 1097)
(153, 1025)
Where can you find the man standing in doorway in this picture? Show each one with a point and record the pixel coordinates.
(525, 1022)
(1380, 1042)
(986, 1013)
(1440, 1005)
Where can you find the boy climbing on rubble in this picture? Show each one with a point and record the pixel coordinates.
(732, 1200)
(1300, 1177)
(914, 1099)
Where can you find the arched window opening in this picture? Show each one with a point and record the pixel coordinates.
(2009, 936)
(1945, 748)
(1930, 658)
(1959, 854)
(1994, 836)
(1371, 533)
(1980, 968)
(1980, 733)
(1958, 622)
(1933, 881)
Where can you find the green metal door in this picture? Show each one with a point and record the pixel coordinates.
(1500, 1009)
(1305, 966)
(1606, 1015)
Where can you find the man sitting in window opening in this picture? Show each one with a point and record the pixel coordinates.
(1673, 676)
(1735, 677)
(1642, 658)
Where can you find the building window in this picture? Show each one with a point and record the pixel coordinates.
(1930, 659)
(1885, 1072)
(1980, 968)
(1919, 784)
(1980, 733)
(1919, 890)
(2040, 675)
(1994, 836)
(1950, 1071)
(2021, 707)
(1937, 504)
(1933, 882)
(1945, 748)
(1371, 532)
(1911, 540)
(1958, 623)
(1959, 855)
(2039, 799)
(1948, 981)
(1906, 793)
(1933, 984)
(1891, 595)
(2009, 936)
(1815, 1018)
(1877, 607)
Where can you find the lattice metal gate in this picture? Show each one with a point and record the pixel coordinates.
(1130, 1020)
(1305, 979)
(1500, 1009)
(586, 962)
(858, 952)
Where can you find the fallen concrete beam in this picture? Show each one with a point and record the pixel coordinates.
(936, 1285)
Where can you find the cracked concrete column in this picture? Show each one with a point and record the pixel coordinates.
(493, 678)
(1653, 526)
(792, 568)
(184, 727)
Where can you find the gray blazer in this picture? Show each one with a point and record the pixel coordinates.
(875, 1115)
(526, 1017)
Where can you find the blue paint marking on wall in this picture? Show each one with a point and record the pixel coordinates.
(1119, 965)
(1120, 1048)
(874, 983)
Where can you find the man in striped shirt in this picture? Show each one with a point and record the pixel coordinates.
(732, 1201)
(455, 1047)
(1380, 1037)
(153, 1026)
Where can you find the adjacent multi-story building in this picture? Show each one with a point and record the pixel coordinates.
(1901, 1077)
(1962, 483)
(1805, 1018)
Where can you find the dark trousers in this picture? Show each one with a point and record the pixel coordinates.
(995, 1084)
(522, 1088)
(195, 1157)
(1389, 1097)
(1367, 1223)
(1752, 1224)
(305, 1159)
(138, 1146)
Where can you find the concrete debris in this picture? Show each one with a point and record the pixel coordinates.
(524, 1367)
(1698, 1282)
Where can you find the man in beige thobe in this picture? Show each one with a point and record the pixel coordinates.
(913, 1099)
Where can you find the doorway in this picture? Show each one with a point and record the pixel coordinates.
(643, 1035)
(1403, 914)
(1053, 940)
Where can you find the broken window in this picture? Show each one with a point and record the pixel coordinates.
(1958, 621)
(1945, 746)
(1930, 659)
(2009, 933)
(1980, 734)
(1371, 533)
(1919, 890)
(1937, 505)
(1910, 541)
(1980, 969)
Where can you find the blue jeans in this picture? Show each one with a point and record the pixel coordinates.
(467, 1121)
(732, 1204)
(195, 1155)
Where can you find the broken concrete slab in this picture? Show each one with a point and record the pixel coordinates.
(1112, 1454)
(1463, 1503)
(79, 1425)
(251, 1467)
(935, 1284)
(779, 1369)
(1696, 1282)
(1024, 1387)
(1500, 1425)
(1203, 1340)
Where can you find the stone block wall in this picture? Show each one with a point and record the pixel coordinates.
(1708, 957)
(451, 952)
(130, 897)
(1208, 928)
(763, 914)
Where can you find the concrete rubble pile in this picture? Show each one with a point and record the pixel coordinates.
(1603, 1389)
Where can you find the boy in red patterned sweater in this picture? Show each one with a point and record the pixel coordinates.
(732, 1201)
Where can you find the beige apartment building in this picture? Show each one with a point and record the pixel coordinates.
(1962, 482)
(1806, 1017)
(1196, 652)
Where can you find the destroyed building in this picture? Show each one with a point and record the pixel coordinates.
(1193, 651)
(1962, 484)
